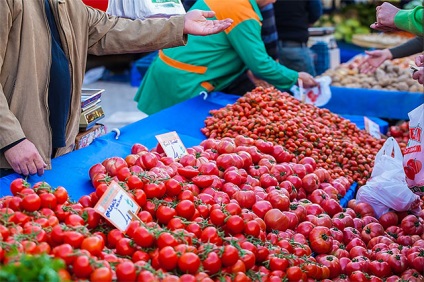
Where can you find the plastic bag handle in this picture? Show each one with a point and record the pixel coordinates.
(390, 146)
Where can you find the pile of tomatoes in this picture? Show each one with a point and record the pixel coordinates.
(233, 209)
(400, 132)
(305, 130)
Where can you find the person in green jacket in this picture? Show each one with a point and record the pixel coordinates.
(391, 18)
(215, 63)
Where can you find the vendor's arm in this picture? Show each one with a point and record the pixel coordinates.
(115, 35)
(410, 20)
(375, 58)
(410, 47)
(391, 18)
(246, 40)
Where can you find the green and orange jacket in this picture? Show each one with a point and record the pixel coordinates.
(212, 62)
(410, 20)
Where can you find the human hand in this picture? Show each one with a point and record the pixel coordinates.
(197, 24)
(419, 60)
(419, 75)
(308, 80)
(385, 14)
(257, 81)
(373, 60)
(25, 159)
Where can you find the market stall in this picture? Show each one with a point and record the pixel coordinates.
(270, 229)
(187, 118)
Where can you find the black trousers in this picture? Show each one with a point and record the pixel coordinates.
(240, 85)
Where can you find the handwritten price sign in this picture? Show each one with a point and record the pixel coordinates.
(172, 145)
(117, 206)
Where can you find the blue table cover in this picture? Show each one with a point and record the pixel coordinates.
(71, 170)
(373, 103)
(348, 50)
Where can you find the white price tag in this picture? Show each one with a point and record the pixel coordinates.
(372, 128)
(117, 206)
(172, 145)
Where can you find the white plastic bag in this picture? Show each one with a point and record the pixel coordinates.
(387, 188)
(140, 9)
(318, 95)
(414, 152)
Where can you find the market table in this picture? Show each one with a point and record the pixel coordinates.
(186, 118)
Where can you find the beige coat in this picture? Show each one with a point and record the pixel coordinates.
(25, 58)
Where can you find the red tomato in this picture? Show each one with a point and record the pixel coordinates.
(113, 165)
(93, 244)
(134, 182)
(31, 202)
(73, 238)
(412, 225)
(173, 187)
(143, 237)
(164, 214)
(74, 220)
(168, 258)
(101, 274)
(234, 224)
(212, 263)
(126, 271)
(371, 230)
(380, 268)
(138, 148)
(276, 220)
(154, 190)
(398, 263)
(61, 195)
(363, 209)
(185, 209)
(166, 239)
(246, 199)
(260, 208)
(332, 263)
(295, 273)
(189, 263)
(188, 172)
(321, 240)
(17, 185)
(310, 182)
(124, 247)
(415, 257)
(229, 255)
(82, 267)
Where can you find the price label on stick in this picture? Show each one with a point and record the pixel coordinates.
(172, 145)
(372, 128)
(117, 206)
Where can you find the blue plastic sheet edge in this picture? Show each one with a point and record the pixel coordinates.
(350, 194)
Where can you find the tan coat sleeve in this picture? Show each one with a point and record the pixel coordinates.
(114, 35)
(10, 128)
